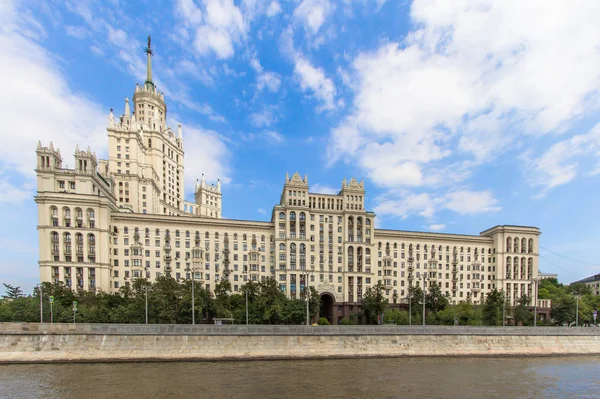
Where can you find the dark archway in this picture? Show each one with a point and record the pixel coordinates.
(326, 309)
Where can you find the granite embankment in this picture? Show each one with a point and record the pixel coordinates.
(38, 343)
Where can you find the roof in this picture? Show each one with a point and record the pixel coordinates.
(590, 279)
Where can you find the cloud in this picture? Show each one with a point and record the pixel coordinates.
(273, 9)
(314, 80)
(560, 163)
(321, 189)
(263, 118)
(214, 162)
(274, 136)
(261, 211)
(312, 14)
(11, 194)
(215, 26)
(38, 103)
(269, 80)
(465, 202)
(436, 227)
(467, 84)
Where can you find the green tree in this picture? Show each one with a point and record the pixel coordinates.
(435, 301)
(374, 303)
(493, 309)
(521, 313)
(12, 292)
(270, 301)
(579, 289)
(563, 309)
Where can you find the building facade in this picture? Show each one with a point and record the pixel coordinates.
(107, 222)
(593, 282)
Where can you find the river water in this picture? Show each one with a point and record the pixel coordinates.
(559, 377)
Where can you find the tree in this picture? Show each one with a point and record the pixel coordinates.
(435, 300)
(521, 314)
(415, 294)
(12, 292)
(579, 289)
(563, 309)
(270, 301)
(374, 303)
(493, 308)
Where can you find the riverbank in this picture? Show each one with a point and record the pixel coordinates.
(47, 343)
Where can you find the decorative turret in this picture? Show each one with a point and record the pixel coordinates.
(127, 115)
(48, 157)
(85, 161)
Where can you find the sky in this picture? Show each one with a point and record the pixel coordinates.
(458, 115)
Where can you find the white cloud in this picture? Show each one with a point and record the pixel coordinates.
(273, 9)
(261, 211)
(274, 136)
(312, 14)
(470, 202)
(263, 118)
(313, 79)
(560, 163)
(321, 189)
(38, 104)
(270, 80)
(216, 25)
(469, 81)
(214, 161)
(78, 32)
(465, 202)
(11, 194)
(436, 227)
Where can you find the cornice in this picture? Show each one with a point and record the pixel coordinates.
(192, 220)
(429, 235)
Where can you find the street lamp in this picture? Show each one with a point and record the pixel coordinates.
(577, 311)
(146, 290)
(535, 282)
(307, 295)
(246, 289)
(424, 279)
(41, 304)
(409, 298)
(192, 271)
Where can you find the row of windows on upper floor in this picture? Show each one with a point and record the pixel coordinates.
(325, 219)
(188, 234)
(513, 243)
(69, 220)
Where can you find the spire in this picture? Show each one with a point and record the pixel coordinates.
(111, 118)
(287, 177)
(150, 53)
(179, 135)
(197, 186)
(202, 181)
(127, 110)
(219, 185)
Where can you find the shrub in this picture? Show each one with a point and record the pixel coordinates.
(323, 321)
(347, 322)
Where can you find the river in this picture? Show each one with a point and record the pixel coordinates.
(559, 377)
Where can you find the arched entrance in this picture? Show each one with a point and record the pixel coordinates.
(326, 309)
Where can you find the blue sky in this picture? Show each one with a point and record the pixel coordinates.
(458, 115)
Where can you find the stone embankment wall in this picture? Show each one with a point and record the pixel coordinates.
(34, 342)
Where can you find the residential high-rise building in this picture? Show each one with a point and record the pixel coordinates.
(107, 222)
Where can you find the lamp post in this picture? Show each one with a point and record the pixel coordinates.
(504, 309)
(409, 309)
(307, 296)
(424, 279)
(246, 289)
(577, 311)
(146, 291)
(535, 281)
(192, 271)
(41, 304)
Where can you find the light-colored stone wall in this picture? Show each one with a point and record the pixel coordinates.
(18, 343)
